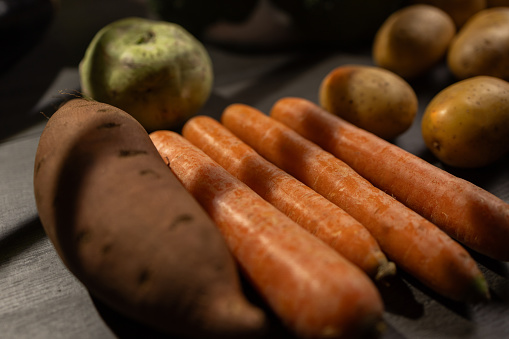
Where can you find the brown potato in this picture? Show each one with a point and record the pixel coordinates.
(372, 98)
(130, 232)
(481, 47)
(413, 39)
(467, 123)
(459, 10)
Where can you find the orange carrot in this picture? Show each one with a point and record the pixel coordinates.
(412, 242)
(313, 289)
(471, 215)
(302, 204)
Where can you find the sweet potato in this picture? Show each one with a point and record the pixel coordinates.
(130, 232)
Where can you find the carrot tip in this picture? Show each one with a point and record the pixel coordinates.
(385, 270)
(374, 329)
(480, 291)
(379, 329)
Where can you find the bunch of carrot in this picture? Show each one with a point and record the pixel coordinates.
(310, 206)
(315, 291)
(471, 215)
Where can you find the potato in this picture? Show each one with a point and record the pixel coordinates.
(467, 123)
(372, 98)
(130, 232)
(481, 47)
(459, 10)
(413, 40)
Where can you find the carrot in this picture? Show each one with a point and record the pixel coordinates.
(471, 215)
(302, 204)
(315, 291)
(412, 242)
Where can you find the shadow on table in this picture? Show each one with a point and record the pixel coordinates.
(126, 328)
(19, 239)
(16, 123)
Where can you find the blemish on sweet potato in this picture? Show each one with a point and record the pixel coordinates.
(38, 165)
(181, 218)
(149, 171)
(131, 152)
(108, 125)
(105, 109)
(106, 248)
(144, 276)
(83, 237)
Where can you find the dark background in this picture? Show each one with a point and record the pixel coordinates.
(39, 298)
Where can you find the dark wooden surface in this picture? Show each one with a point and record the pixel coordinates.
(39, 298)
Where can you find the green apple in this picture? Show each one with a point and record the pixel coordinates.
(154, 70)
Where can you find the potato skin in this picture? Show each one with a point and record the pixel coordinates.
(459, 10)
(413, 39)
(467, 124)
(129, 231)
(481, 47)
(371, 98)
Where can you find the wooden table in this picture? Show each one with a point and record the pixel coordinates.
(39, 298)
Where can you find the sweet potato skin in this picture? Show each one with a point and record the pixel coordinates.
(130, 232)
